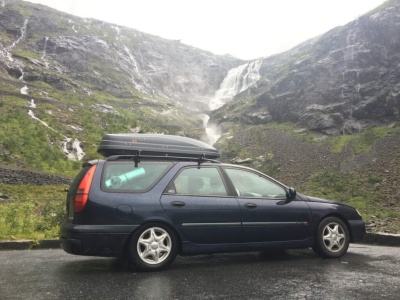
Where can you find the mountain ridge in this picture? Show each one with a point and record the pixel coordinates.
(340, 82)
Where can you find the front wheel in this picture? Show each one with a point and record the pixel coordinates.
(153, 247)
(332, 238)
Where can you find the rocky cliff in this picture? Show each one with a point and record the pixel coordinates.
(41, 44)
(340, 82)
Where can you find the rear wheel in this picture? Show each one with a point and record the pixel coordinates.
(332, 238)
(153, 247)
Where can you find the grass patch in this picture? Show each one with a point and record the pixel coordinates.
(352, 189)
(25, 215)
(365, 140)
(32, 219)
(339, 143)
(33, 192)
(269, 166)
(361, 142)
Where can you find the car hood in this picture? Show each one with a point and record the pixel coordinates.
(320, 200)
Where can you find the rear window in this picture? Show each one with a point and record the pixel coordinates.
(126, 177)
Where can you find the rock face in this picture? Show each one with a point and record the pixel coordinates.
(341, 82)
(67, 52)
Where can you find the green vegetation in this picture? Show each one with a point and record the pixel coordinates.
(26, 54)
(340, 186)
(269, 166)
(32, 219)
(24, 216)
(360, 142)
(353, 189)
(37, 146)
(31, 192)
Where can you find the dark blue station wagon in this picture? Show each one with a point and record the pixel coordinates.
(150, 209)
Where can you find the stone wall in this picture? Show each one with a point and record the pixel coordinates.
(10, 175)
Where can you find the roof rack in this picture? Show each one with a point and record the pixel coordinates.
(155, 145)
(137, 157)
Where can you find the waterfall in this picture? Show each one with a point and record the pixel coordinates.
(213, 133)
(24, 90)
(32, 104)
(236, 81)
(6, 51)
(43, 57)
(132, 61)
(10, 61)
(351, 51)
(23, 32)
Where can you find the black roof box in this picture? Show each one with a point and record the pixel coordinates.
(155, 145)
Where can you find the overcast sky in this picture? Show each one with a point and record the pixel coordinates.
(247, 29)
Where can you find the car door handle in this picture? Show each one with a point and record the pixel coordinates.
(178, 203)
(250, 205)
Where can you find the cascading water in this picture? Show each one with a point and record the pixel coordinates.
(236, 81)
(23, 33)
(24, 90)
(10, 61)
(43, 57)
(76, 153)
(131, 61)
(213, 133)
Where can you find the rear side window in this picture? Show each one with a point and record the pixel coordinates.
(126, 177)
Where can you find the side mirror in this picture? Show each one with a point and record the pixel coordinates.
(291, 193)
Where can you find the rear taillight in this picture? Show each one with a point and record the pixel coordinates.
(83, 190)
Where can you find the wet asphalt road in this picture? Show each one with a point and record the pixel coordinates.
(365, 272)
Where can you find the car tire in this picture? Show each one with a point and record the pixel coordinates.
(153, 247)
(332, 238)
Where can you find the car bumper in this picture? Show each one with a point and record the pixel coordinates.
(357, 230)
(95, 240)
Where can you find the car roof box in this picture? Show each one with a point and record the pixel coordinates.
(155, 145)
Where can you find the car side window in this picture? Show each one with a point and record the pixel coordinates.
(252, 185)
(198, 181)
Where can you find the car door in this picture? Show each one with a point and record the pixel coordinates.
(267, 215)
(197, 202)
